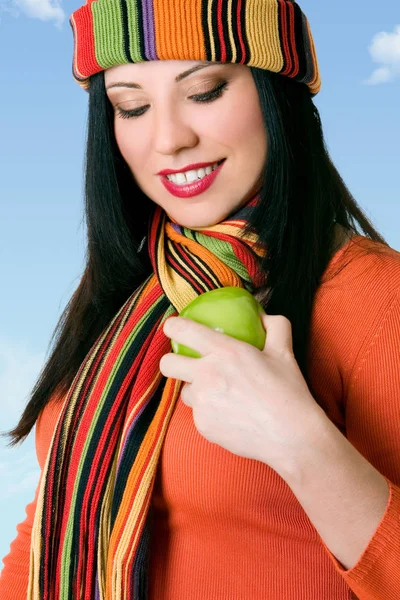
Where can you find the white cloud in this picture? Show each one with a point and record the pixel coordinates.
(385, 50)
(44, 10)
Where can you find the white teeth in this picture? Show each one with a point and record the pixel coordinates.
(191, 176)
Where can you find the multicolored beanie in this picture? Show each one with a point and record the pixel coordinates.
(269, 34)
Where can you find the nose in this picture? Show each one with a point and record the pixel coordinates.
(173, 130)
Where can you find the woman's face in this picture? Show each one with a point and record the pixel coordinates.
(173, 129)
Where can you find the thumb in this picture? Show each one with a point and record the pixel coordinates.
(279, 334)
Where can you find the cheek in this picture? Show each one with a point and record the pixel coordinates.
(252, 130)
(128, 143)
(241, 122)
(251, 122)
(122, 138)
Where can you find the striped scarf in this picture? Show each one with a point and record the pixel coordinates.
(92, 525)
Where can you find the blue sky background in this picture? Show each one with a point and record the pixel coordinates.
(42, 122)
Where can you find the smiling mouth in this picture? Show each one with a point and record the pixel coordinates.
(204, 166)
(193, 188)
(214, 166)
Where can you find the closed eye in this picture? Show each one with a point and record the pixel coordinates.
(200, 98)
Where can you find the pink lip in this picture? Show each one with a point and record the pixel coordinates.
(192, 189)
(187, 168)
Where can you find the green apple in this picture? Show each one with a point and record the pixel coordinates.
(230, 310)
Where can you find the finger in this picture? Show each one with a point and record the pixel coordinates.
(279, 333)
(195, 335)
(185, 394)
(178, 367)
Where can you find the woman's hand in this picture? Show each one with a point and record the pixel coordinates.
(256, 404)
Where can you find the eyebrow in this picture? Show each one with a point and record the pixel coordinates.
(178, 78)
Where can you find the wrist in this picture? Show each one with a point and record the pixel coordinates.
(314, 448)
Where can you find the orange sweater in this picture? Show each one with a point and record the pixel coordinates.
(229, 528)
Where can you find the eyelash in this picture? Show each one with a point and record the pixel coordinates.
(201, 98)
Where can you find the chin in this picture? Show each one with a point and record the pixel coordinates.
(197, 223)
(192, 221)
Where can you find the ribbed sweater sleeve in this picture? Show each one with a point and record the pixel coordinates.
(373, 427)
(14, 576)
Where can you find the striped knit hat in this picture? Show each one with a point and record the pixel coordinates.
(269, 34)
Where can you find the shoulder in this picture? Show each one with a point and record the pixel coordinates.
(356, 303)
(359, 287)
(361, 269)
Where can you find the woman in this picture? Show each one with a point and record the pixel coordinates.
(245, 473)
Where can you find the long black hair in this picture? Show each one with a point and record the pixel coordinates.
(302, 201)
